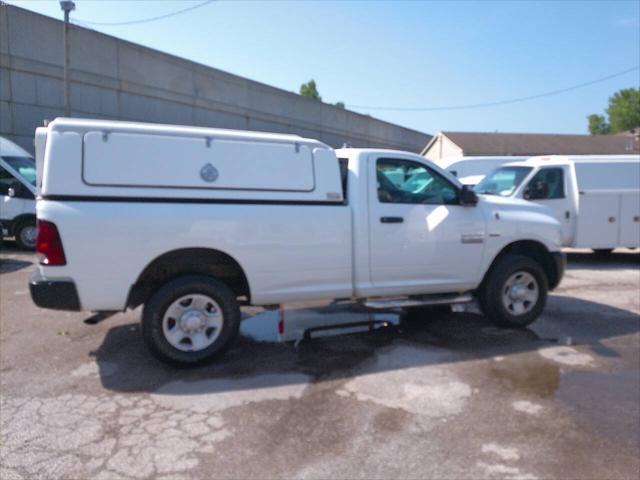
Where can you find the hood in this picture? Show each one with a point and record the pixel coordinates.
(510, 203)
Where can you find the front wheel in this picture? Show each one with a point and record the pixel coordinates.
(190, 320)
(515, 292)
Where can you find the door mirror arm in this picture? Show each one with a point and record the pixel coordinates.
(468, 197)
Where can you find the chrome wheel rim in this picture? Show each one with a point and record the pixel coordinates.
(28, 236)
(192, 322)
(520, 293)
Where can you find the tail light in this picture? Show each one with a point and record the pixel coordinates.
(49, 244)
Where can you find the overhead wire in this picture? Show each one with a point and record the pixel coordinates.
(145, 20)
(495, 103)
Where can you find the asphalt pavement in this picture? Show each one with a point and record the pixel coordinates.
(447, 397)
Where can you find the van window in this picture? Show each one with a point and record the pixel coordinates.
(552, 181)
(6, 180)
(404, 181)
(25, 166)
(502, 181)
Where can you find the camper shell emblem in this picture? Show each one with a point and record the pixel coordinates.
(209, 173)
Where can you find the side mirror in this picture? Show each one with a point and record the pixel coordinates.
(14, 190)
(468, 196)
(537, 191)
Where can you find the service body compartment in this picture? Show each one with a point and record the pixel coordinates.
(598, 220)
(143, 160)
(629, 219)
(99, 158)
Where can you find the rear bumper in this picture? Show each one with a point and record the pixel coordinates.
(560, 262)
(56, 295)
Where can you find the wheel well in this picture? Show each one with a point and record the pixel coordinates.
(534, 250)
(15, 223)
(176, 263)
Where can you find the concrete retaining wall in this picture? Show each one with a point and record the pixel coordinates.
(112, 78)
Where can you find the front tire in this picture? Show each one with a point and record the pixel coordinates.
(25, 233)
(515, 291)
(190, 320)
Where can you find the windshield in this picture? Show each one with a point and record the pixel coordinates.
(25, 166)
(502, 181)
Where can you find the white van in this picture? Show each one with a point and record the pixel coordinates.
(17, 194)
(471, 170)
(595, 198)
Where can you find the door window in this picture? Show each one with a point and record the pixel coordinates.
(6, 180)
(547, 184)
(404, 181)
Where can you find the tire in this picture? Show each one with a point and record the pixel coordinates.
(190, 320)
(506, 306)
(25, 233)
(603, 251)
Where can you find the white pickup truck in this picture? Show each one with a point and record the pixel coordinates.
(193, 222)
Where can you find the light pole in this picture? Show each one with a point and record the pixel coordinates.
(67, 6)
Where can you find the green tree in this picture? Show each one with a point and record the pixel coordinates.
(340, 105)
(598, 125)
(623, 113)
(310, 90)
(624, 110)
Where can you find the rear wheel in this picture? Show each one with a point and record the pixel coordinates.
(190, 320)
(515, 292)
(25, 233)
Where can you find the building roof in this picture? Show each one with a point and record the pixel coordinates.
(530, 144)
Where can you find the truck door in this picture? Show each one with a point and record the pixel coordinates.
(551, 187)
(421, 238)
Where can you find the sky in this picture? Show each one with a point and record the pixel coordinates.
(404, 54)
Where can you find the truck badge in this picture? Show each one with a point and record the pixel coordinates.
(209, 173)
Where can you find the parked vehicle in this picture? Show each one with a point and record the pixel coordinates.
(17, 194)
(471, 170)
(595, 198)
(192, 222)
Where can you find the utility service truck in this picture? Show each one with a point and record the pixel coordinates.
(194, 222)
(17, 194)
(595, 198)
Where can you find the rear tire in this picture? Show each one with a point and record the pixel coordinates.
(190, 320)
(25, 233)
(514, 292)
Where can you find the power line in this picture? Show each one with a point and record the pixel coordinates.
(150, 19)
(497, 103)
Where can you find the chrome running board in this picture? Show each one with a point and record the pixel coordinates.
(417, 301)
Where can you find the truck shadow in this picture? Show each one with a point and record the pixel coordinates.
(8, 265)
(8, 261)
(612, 261)
(126, 366)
